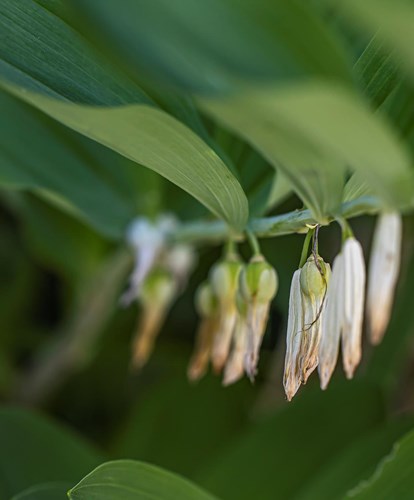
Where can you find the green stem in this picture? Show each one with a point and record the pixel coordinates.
(268, 227)
(254, 244)
(305, 248)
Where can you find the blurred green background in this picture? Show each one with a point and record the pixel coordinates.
(69, 188)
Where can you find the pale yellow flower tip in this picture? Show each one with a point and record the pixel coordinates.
(207, 307)
(224, 279)
(157, 294)
(383, 273)
(353, 312)
(234, 369)
(258, 286)
(331, 324)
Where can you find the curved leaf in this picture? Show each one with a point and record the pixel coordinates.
(394, 477)
(132, 480)
(214, 46)
(339, 128)
(158, 141)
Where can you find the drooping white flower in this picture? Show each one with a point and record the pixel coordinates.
(156, 297)
(383, 273)
(292, 377)
(353, 312)
(258, 286)
(332, 323)
(314, 278)
(207, 308)
(234, 369)
(224, 279)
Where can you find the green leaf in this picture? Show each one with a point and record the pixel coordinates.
(48, 491)
(69, 70)
(297, 129)
(392, 19)
(132, 480)
(62, 166)
(35, 450)
(213, 46)
(394, 477)
(156, 140)
(356, 463)
(284, 451)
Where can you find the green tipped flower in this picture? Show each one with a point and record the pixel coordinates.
(258, 286)
(224, 279)
(306, 311)
(314, 277)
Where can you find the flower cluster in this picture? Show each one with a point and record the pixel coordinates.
(234, 307)
(326, 308)
(326, 312)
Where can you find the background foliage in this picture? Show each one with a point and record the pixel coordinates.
(230, 109)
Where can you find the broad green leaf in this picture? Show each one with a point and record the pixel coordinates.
(354, 464)
(355, 188)
(213, 46)
(377, 71)
(35, 450)
(282, 121)
(132, 480)
(70, 70)
(41, 53)
(284, 451)
(62, 166)
(393, 19)
(156, 140)
(48, 491)
(394, 476)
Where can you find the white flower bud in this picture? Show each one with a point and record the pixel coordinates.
(332, 323)
(314, 277)
(353, 313)
(224, 278)
(292, 377)
(383, 273)
(258, 286)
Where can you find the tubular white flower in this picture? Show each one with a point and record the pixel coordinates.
(332, 323)
(353, 312)
(314, 279)
(234, 368)
(207, 307)
(292, 377)
(224, 280)
(383, 273)
(258, 286)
